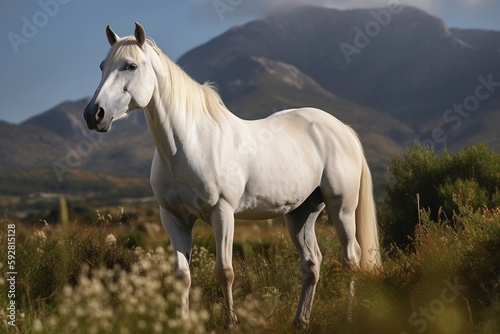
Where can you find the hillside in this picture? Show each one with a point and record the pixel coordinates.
(64, 119)
(60, 135)
(27, 146)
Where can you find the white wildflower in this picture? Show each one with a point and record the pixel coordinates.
(110, 240)
(40, 236)
(37, 326)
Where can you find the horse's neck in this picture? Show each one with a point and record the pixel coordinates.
(175, 134)
(176, 130)
(165, 139)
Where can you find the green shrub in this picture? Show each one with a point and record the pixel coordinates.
(421, 179)
(135, 239)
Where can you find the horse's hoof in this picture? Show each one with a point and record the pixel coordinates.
(232, 321)
(300, 324)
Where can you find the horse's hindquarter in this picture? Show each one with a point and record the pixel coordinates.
(286, 164)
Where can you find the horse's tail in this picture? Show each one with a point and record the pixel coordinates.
(366, 221)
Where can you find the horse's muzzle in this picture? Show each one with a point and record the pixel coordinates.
(93, 115)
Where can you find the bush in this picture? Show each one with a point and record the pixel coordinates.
(422, 179)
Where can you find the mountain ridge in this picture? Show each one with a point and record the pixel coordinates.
(391, 52)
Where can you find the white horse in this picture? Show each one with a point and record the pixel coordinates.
(211, 165)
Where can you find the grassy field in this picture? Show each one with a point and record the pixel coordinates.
(115, 276)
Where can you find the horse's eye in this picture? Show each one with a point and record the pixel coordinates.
(132, 67)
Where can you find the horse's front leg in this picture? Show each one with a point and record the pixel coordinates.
(222, 221)
(180, 235)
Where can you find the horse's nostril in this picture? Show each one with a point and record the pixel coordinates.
(85, 116)
(99, 115)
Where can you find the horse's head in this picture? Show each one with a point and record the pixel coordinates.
(126, 80)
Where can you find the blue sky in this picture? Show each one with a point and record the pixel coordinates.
(50, 50)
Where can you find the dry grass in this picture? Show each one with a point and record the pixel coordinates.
(82, 280)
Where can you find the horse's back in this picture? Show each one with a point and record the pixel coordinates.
(321, 127)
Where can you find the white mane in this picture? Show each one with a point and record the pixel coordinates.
(183, 93)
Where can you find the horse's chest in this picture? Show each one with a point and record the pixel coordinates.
(190, 197)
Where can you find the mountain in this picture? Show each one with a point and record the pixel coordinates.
(480, 39)
(64, 120)
(413, 69)
(59, 138)
(27, 146)
(408, 78)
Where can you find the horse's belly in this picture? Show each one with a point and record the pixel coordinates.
(280, 180)
(253, 209)
(272, 199)
(260, 212)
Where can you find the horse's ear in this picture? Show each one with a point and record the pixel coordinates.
(140, 34)
(112, 37)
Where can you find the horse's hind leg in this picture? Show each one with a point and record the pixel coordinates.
(300, 225)
(341, 211)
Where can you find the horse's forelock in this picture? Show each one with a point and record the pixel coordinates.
(119, 49)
